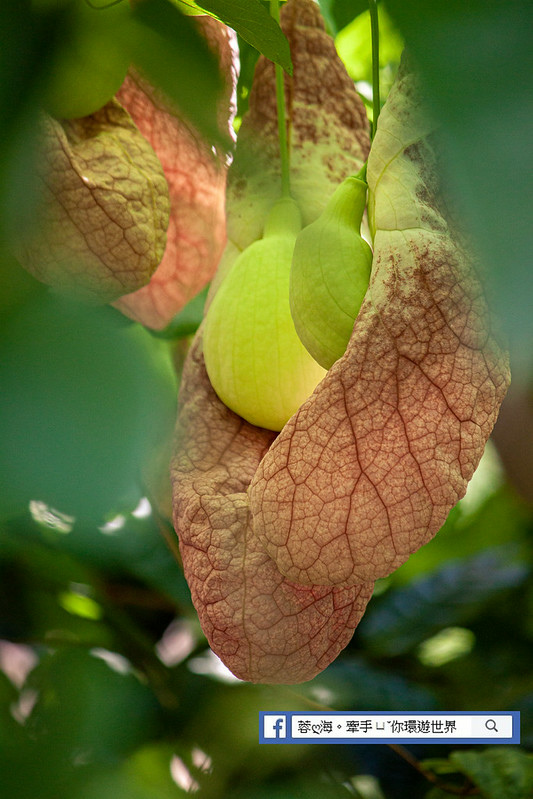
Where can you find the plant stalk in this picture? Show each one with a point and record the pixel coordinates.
(374, 27)
(282, 125)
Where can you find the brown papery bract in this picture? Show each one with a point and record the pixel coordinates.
(369, 467)
(327, 130)
(263, 626)
(103, 211)
(196, 178)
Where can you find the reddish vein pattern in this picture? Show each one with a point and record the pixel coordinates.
(104, 208)
(263, 626)
(197, 182)
(370, 466)
(326, 124)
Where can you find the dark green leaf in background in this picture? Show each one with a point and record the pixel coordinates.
(359, 685)
(450, 595)
(102, 721)
(27, 44)
(500, 772)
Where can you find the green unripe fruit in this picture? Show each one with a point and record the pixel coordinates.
(90, 67)
(330, 274)
(255, 361)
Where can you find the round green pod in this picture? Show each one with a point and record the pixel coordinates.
(255, 361)
(90, 66)
(330, 274)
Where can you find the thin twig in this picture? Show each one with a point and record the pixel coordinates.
(282, 125)
(465, 790)
(376, 99)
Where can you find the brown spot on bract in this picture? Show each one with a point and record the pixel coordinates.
(327, 126)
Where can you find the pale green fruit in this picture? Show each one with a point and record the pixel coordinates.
(90, 67)
(255, 361)
(330, 274)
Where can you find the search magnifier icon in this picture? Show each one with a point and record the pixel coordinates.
(490, 724)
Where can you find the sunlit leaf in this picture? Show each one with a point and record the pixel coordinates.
(339, 13)
(252, 21)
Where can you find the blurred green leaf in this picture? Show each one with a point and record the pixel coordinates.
(168, 49)
(500, 772)
(252, 21)
(465, 534)
(17, 284)
(476, 61)
(86, 397)
(188, 320)
(10, 732)
(29, 40)
(354, 45)
(112, 715)
(359, 685)
(90, 61)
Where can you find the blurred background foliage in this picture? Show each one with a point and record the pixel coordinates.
(107, 687)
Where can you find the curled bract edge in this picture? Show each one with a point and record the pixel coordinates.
(264, 627)
(368, 469)
(100, 229)
(196, 178)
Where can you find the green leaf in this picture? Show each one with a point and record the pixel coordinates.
(87, 397)
(449, 596)
(168, 49)
(352, 682)
(476, 60)
(252, 21)
(339, 13)
(354, 45)
(188, 320)
(111, 715)
(500, 772)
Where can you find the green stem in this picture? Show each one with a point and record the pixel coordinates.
(282, 125)
(374, 26)
(361, 175)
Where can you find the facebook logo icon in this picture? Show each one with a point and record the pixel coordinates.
(274, 726)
